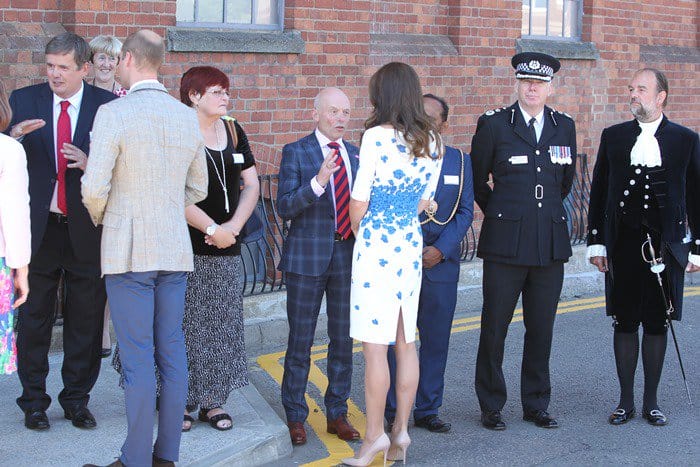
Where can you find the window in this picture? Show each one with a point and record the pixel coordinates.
(552, 19)
(238, 14)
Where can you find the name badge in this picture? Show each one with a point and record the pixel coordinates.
(237, 158)
(517, 160)
(451, 180)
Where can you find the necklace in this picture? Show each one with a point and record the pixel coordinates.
(222, 176)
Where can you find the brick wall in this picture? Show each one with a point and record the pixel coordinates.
(461, 51)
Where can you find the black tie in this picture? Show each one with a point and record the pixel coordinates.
(531, 126)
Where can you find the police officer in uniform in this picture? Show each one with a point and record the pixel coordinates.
(529, 150)
(644, 188)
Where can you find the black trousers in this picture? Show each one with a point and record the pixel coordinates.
(83, 316)
(502, 285)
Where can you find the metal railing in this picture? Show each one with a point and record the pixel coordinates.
(576, 204)
(261, 256)
(262, 253)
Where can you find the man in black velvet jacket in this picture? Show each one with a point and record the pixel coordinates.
(645, 188)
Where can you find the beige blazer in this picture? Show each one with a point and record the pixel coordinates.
(146, 163)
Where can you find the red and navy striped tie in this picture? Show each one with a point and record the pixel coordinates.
(341, 188)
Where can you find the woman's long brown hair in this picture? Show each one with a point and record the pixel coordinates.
(395, 93)
(5, 110)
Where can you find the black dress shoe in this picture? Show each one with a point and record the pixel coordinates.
(655, 417)
(540, 418)
(36, 420)
(116, 463)
(433, 423)
(81, 417)
(492, 420)
(158, 462)
(621, 416)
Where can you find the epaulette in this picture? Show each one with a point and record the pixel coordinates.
(564, 114)
(488, 113)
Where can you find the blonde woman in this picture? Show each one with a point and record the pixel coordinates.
(105, 58)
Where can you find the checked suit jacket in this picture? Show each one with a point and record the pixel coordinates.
(147, 165)
(308, 247)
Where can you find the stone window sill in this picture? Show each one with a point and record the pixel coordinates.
(234, 41)
(562, 49)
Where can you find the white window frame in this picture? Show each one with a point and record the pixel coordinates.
(239, 26)
(578, 25)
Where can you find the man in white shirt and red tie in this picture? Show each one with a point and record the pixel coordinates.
(315, 180)
(53, 121)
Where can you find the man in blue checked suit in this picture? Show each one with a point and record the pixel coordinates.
(315, 180)
(442, 235)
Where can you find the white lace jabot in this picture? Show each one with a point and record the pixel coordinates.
(646, 149)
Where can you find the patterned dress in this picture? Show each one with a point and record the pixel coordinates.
(387, 266)
(8, 346)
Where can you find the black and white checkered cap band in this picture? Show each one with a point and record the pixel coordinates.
(543, 72)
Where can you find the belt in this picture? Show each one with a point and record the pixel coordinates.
(59, 218)
(339, 238)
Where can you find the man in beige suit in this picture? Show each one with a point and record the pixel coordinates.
(146, 165)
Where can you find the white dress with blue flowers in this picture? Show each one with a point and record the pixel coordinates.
(386, 263)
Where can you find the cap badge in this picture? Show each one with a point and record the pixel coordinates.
(534, 65)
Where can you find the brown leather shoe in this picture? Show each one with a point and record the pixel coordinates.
(342, 427)
(297, 433)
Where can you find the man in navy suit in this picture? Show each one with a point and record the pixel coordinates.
(53, 122)
(317, 259)
(442, 235)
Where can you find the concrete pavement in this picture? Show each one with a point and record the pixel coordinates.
(259, 434)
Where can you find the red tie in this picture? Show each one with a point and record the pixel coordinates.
(63, 135)
(341, 188)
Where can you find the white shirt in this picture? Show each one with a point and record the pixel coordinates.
(73, 112)
(325, 151)
(143, 81)
(539, 120)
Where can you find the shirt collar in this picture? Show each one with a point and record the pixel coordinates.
(323, 140)
(651, 127)
(74, 100)
(143, 81)
(527, 116)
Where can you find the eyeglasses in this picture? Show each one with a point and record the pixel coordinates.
(104, 58)
(219, 93)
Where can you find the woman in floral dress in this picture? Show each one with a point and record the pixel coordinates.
(15, 236)
(398, 174)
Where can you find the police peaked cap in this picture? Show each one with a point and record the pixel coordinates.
(535, 65)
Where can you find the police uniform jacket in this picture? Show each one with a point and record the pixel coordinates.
(674, 185)
(524, 218)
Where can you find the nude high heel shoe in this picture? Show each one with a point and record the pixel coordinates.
(402, 442)
(380, 444)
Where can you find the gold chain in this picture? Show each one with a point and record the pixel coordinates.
(431, 217)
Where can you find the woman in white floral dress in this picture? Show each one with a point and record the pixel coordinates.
(398, 174)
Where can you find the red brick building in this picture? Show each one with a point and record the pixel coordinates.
(461, 49)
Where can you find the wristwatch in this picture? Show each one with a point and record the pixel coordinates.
(211, 229)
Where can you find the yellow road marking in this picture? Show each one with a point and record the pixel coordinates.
(338, 448)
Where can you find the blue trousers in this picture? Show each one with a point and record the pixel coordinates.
(147, 310)
(436, 308)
